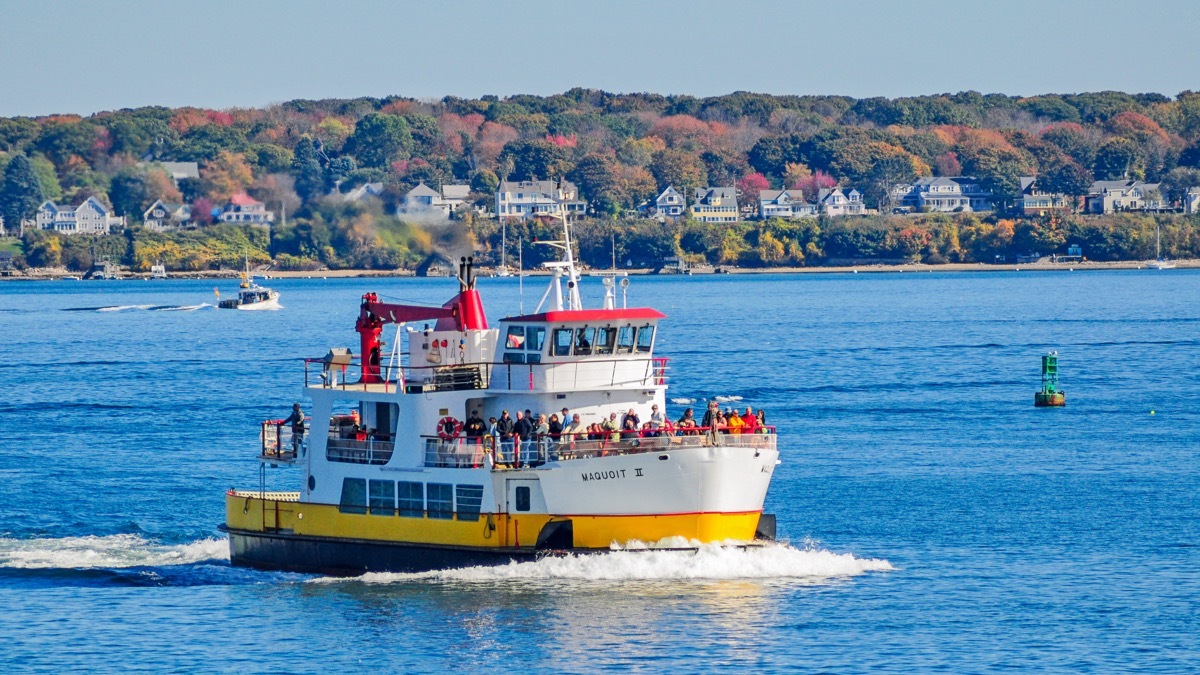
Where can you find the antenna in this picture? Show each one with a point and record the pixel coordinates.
(521, 273)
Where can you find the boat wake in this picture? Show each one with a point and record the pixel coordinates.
(111, 552)
(708, 562)
(149, 308)
(727, 399)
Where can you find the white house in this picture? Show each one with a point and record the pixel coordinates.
(944, 194)
(1107, 196)
(425, 201)
(1191, 201)
(242, 208)
(838, 202)
(176, 170)
(163, 216)
(532, 198)
(715, 205)
(90, 217)
(784, 204)
(670, 204)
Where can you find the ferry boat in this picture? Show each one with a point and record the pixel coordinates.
(389, 479)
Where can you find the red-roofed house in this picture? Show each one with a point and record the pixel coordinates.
(242, 208)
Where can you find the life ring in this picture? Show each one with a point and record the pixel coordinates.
(451, 423)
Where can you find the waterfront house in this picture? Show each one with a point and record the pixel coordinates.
(244, 209)
(715, 205)
(162, 216)
(424, 201)
(89, 217)
(364, 192)
(531, 198)
(837, 202)
(1191, 201)
(1110, 196)
(944, 194)
(788, 204)
(176, 170)
(1034, 201)
(669, 204)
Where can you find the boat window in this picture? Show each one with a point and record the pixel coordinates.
(412, 498)
(583, 340)
(645, 339)
(354, 496)
(514, 357)
(381, 495)
(522, 495)
(534, 337)
(605, 339)
(516, 338)
(441, 501)
(625, 340)
(562, 341)
(469, 498)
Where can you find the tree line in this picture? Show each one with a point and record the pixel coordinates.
(620, 149)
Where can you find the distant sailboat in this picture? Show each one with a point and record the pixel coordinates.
(502, 270)
(1159, 263)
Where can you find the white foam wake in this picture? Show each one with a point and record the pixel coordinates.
(708, 562)
(123, 308)
(115, 551)
(683, 401)
(727, 399)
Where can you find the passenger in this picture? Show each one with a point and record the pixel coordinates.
(632, 415)
(296, 420)
(629, 430)
(762, 421)
(657, 419)
(474, 428)
(504, 430)
(750, 421)
(647, 431)
(611, 428)
(541, 432)
(687, 423)
(595, 433)
(566, 416)
(556, 427)
(710, 417)
(574, 431)
(523, 431)
(734, 422)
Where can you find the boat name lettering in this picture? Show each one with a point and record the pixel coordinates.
(603, 475)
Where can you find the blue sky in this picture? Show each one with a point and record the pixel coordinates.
(59, 56)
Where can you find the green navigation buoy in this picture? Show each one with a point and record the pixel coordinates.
(1050, 395)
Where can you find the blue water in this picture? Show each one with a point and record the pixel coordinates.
(937, 521)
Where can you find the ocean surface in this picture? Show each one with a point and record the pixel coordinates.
(934, 519)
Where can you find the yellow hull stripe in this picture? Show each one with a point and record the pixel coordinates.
(489, 531)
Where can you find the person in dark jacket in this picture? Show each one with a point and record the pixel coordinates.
(504, 427)
(523, 430)
(296, 421)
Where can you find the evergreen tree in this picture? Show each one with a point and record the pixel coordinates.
(21, 195)
(306, 169)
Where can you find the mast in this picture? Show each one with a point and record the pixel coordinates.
(503, 242)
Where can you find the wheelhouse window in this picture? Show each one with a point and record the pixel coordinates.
(584, 339)
(516, 338)
(606, 338)
(625, 340)
(535, 337)
(645, 339)
(562, 341)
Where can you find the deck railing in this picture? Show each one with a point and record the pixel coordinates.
(370, 448)
(280, 443)
(583, 373)
(462, 452)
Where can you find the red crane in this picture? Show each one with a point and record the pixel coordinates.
(464, 312)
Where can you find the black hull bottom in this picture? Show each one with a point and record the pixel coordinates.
(350, 557)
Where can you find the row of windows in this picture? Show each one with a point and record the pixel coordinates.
(412, 499)
(523, 344)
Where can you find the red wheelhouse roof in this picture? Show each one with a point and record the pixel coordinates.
(590, 315)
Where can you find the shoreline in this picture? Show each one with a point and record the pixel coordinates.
(869, 268)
